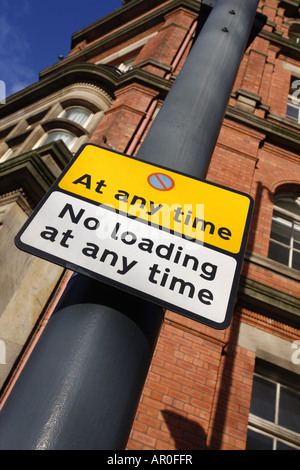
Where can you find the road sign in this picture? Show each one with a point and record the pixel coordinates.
(162, 235)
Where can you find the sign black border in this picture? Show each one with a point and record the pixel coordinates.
(239, 257)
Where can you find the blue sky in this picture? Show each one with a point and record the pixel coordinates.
(33, 33)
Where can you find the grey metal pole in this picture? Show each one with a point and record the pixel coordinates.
(81, 386)
(186, 129)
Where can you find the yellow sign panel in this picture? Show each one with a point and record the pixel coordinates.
(189, 207)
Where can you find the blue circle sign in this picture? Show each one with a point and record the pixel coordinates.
(161, 181)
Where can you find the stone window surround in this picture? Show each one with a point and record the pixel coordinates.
(29, 134)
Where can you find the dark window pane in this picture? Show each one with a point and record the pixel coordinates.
(285, 233)
(263, 398)
(257, 441)
(296, 260)
(289, 204)
(282, 446)
(292, 112)
(281, 230)
(279, 253)
(289, 409)
(296, 236)
(53, 136)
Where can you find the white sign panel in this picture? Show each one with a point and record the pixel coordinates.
(182, 274)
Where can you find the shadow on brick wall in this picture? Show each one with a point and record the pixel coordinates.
(187, 434)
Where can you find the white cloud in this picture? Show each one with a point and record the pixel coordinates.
(14, 50)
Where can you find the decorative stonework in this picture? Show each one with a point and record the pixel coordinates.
(19, 197)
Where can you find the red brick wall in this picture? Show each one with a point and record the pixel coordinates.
(197, 394)
(166, 43)
(124, 117)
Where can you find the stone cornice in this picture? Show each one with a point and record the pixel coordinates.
(108, 79)
(64, 77)
(281, 135)
(269, 301)
(112, 37)
(17, 195)
(274, 266)
(137, 75)
(284, 43)
(30, 173)
(99, 75)
(133, 10)
(139, 15)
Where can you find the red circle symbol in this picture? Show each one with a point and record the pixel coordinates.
(161, 181)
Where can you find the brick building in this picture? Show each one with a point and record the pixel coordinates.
(206, 389)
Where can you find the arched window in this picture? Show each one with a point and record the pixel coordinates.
(285, 233)
(77, 114)
(70, 126)
(59, 134)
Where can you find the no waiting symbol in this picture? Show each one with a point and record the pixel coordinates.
(161, 181)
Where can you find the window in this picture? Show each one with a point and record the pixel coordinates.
(68, 126)
(55, 135)
(285, 232)
(293, 105)
(274, 420)
(77, 114)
